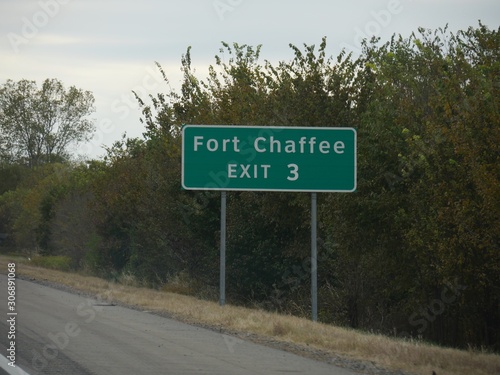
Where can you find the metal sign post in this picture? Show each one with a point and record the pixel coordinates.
(222, 283)
(314, 258)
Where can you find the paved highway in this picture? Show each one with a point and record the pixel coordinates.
(64, 333)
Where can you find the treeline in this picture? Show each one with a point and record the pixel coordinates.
(413, 252)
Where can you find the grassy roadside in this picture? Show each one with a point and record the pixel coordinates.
(389, 353)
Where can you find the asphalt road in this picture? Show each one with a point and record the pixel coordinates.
(63, 333)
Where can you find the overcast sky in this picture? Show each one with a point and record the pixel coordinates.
(109, 46)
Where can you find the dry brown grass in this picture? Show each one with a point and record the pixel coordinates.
(386, 352)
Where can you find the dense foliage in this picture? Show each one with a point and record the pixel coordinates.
(413, 252)
(38, 125)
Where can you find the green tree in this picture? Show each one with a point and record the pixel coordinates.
(424, 216)
(38, 125)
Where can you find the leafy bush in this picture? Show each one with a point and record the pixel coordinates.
(53, 262)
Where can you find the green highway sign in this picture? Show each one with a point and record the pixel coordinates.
(267, 158)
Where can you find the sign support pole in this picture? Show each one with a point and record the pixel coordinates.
(222, 284)
(314, 258)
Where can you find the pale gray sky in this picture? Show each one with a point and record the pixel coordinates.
(109, 46)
